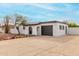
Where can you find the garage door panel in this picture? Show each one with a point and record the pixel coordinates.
(47, 30)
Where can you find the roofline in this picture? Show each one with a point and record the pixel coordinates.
(53, 22)
(46, 22)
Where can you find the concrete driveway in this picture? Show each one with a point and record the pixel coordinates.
(41, 45)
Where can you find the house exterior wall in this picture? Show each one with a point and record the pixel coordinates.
(22, 31)
(34, 30)
(57, 31)
(26, 30)
(14, 31)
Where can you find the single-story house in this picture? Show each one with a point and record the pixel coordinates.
(50, 28)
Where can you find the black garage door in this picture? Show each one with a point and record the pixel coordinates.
(47, 30)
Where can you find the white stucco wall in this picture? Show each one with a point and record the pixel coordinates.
(74, 30)
(57, 31)
(14, 30)
(22, 31)
(34, 30)
(26, 31)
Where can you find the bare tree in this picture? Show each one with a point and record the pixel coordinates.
(6, 23)
(20, 20)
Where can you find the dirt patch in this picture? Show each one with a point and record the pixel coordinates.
(41, 45)
(59, 39)
(4, 36)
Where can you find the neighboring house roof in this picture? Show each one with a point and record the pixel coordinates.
(30, 24)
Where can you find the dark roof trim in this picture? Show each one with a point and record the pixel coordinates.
(53, 22)
(32, 24)
(46, 22)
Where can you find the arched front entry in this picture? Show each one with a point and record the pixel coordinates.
(30, 30)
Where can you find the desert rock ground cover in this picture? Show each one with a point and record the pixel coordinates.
(41, 45)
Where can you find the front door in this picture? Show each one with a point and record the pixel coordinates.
(30, 30)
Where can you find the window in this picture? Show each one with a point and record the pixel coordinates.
(61, 27)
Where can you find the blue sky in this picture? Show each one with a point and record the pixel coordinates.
(43, 11)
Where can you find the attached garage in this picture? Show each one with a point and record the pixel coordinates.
(47, 30)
